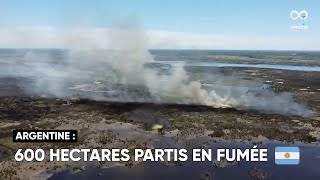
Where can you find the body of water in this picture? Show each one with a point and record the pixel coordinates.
(307, 169)
(267, 66)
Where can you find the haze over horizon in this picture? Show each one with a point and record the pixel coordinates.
(175, 24)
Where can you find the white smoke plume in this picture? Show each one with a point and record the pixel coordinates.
(114, 69)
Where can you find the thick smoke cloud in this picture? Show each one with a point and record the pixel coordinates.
(114, 69)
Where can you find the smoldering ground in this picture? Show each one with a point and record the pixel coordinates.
(110, 65)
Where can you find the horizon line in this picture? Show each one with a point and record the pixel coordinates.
(166, 49)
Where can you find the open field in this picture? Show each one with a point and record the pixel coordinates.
(299, 58)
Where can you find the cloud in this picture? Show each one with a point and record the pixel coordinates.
(162, 39)
(49, 37)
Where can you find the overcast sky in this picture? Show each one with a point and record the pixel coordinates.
(205, 24)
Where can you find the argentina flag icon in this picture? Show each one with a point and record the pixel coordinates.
(287, 155)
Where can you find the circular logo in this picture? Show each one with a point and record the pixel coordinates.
(294, 15)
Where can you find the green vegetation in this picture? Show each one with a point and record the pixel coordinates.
(306, 58)
(266, 59)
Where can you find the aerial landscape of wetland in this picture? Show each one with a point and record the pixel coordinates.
(150, 122)
(169, 89)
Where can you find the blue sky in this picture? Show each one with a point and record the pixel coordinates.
(236, 17)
